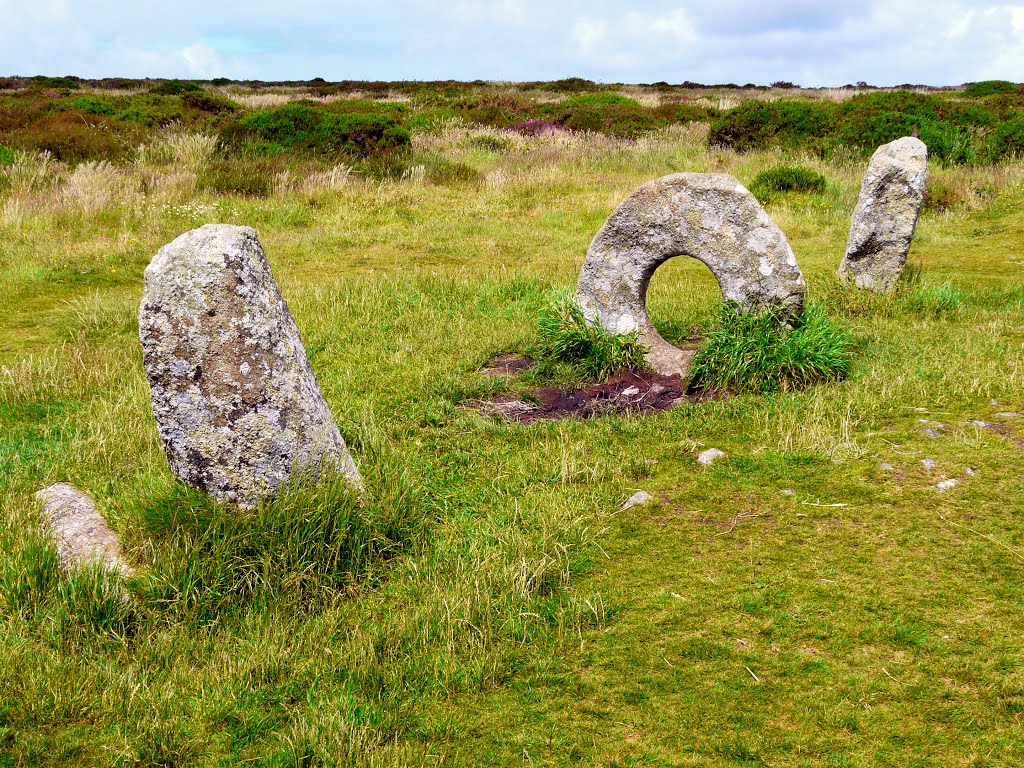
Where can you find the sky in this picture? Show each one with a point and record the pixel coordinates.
(809, 42)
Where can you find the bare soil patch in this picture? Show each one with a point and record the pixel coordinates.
(626, 393)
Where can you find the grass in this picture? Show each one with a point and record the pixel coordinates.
(762, 353)
(794, 604)
(589, 351)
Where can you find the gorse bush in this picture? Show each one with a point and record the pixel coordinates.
(566, 337)
(7, 155)
(607, 113)
(990, 88)
(760, 352)
(1008, 140)
(770, 183)
(312, 129)
(952, 131)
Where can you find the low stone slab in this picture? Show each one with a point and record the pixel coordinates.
(78, 531)
(886, 215)
(708, 216)
(237, 405)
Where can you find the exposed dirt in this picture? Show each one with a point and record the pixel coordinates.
(506, 364)
(625, 393)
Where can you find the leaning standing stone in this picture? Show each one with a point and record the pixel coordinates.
(78, 531)
(886, 215)
(237, 405)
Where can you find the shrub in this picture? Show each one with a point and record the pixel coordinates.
(204, 101)
(782, 179)
(762, 124)
(607, 113)
(759, 352)
(174, 88)
(990, 88)
(68, 138)
(91, 105)
(566, 337)
(536, 127)
(307, 128)
(250, 176)
(1007, 140)
(7, 156)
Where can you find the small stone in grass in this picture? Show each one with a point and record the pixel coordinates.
(1008, 414)
(788, 492)
(980, 424)
(637, 499)
(885, 466)
(928, 463)
(78, 531)
(931, 432)
(945, 485)
(710, 456)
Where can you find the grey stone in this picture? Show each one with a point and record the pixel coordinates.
(981, 424)
(237, 405)
(708, 216)
(946, 485)
(710, 456)
(928, 463)
(78, 531)
(931, 432)
(637, 499)
(1008, 414)
(885, 466)
(886, 215)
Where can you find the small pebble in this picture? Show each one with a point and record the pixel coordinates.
(928, 463)
(709, 456)
(980, 424)
(945, 485)
(631, 391)
(970, 472)
(885, 466)
(931, 432)
(788, 492)
(993, 402)
(1008, 414)
(637, 499)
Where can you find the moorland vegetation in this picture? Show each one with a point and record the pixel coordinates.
(813, 598)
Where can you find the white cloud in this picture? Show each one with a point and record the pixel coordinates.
(202, 61)
(589, 34)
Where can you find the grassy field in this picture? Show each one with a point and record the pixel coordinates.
(811, 600)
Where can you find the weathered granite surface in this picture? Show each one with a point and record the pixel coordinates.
(78, 531)
(886, 215)
(708, 216)
(237, 405)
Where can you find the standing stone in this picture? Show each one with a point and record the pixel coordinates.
(78, 532)
(886, 215)
(709, 216)
(237, 405)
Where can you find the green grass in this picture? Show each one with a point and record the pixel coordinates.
(587, 350)
(763, 353)
(794, 604)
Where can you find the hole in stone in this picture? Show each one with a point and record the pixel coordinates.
(683, 295)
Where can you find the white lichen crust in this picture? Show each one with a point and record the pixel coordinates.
(78, 531)
(708, 216)
(237, 405)
(886, 215)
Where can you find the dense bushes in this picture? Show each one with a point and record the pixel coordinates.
(307, 128)
(1008, 140)
(990, 88)
(953, 131)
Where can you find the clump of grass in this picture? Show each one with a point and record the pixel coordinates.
(763, 353)
(589, 350)
(771, 183)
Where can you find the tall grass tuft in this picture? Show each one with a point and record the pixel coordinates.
(761, 353)
(566, 337)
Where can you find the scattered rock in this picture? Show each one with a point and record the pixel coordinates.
(637, 499)
(945, 485)
(710, 217)
(236, 403)
(931, 432)
(885, 466)
(788, 492)
(710, 456)
(78, 531)
(886, 215)
(981, 424)
(970, 471)
(928, 463)
(994, 403)
(1008, 414)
